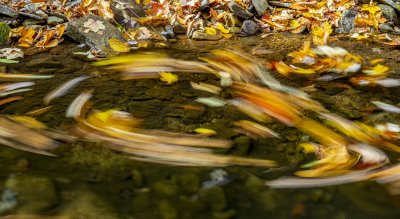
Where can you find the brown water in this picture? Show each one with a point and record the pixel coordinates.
(90, 182)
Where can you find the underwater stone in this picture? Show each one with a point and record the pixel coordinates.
(242, 144)
(86, 204)
(137, 178)
(224, 214)
(167, 211)
(141, 201)
(34, 193)
(214, 197)
(189, 183)
(164, 188)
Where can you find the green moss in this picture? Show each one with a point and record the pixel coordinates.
(96, 157)
(4, 33)
(34, 193)
(165, 188)
(167, 211)
(214, 198)
(189, 183)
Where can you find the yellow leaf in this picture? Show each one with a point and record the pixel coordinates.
(308, 147)
(205, 131)
(372, 9)
(377, 70)
(168, 77)
(118, 46)
(376, 61)
(227, 35)
(210, 30)
(221, 27)
(29, 121)
(294, 24)
(142, 45)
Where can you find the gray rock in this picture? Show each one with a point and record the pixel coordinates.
(388, 12)
(393, 4)
(7, 11)
(34, 193)
(179, 29)
(124, 10)
(53, 20)
(280, 4)
(346, 23)
(12, 22)
(60, 15)
(33, 16)
(239, 11)
(201, 35)
(386, 28)
(8, 200)
(249, 28)
(30, 22)
(43, 63)
(95, 40)
(261, 6)
(42, 14)
(203, 5)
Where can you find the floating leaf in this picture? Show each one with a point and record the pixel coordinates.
(205, 131)
(168, 77)
(8, 61)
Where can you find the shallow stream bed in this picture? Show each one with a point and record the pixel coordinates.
(88, 181)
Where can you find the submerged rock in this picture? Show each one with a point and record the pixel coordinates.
(94, 35)
(261, 6)
(201, 35)
(167, 211)
(7, 11)
(239, 11)
(214, 198)
(34, 193)
(346, 23)
(86, 204)
(249, 28)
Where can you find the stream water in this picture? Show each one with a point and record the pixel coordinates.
(88, 181)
